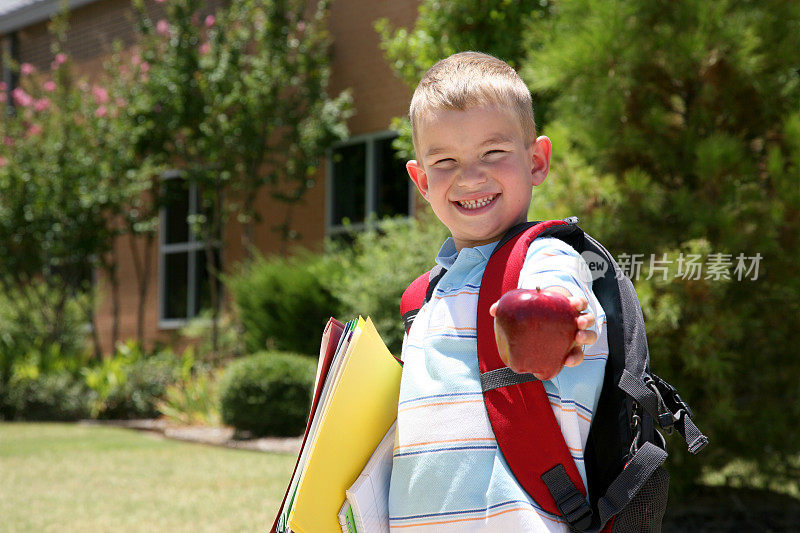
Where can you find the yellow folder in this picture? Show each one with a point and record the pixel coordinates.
(360, 410)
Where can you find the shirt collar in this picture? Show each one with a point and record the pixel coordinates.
(448, 253)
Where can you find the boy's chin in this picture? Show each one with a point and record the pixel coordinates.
(472, 240)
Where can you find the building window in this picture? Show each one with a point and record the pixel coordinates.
(365, 178)
(184, 280)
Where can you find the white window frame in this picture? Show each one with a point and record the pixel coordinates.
(370, 207)
(192, 247)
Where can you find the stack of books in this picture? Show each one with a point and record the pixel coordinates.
(341, 479)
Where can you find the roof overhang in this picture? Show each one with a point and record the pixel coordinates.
(18, 14)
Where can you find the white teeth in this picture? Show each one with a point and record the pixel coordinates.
(475, 204)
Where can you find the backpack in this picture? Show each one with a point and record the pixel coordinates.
(623, 455)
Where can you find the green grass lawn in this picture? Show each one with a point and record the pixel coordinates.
(64, 477)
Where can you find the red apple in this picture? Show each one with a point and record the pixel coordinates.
(534, 331)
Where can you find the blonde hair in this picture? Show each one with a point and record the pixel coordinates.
(468, 80)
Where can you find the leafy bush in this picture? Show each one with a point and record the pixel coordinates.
(371, 275)
(194, 400)
(128, 384)
(53, 397)
(283, 304)
(268, 393)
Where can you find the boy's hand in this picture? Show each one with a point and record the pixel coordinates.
(583, 337)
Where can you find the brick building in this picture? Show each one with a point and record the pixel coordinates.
(364, 169)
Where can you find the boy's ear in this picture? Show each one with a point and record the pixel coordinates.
(540, 159)
(418, 176)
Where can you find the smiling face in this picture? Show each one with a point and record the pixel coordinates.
(477, 171)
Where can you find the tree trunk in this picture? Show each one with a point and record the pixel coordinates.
(142, 266)
(91, 316)
(111, 269)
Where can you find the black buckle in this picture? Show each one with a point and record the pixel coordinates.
(668, 396)
(576, 510)
(569, 500)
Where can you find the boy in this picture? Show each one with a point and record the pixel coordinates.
(478, 161)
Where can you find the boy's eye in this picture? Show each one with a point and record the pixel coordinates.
(494, 153)
(445, 161)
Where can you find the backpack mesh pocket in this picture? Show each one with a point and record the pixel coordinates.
(645, 512)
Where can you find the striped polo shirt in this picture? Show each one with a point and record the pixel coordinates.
(448, 473)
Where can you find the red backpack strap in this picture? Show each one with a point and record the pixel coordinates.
(419, 292)
(521, 416)
(413, 298)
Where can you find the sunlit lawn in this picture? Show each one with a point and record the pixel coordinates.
(63, 477)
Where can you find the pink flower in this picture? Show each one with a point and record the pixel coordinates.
(21, 98)
(160, 1)
(301, 26)
(162, 27)
(60, 59)
(100, 95)
(3, 86)
(144, 67)
(41, 104)
(136, 59)
(210, 20)
(8, 141)
(101, 111)
(3, 161)
(49, 86)
(205, 48)
(35, 129)
(26, 69)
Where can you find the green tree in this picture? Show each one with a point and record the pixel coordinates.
(66, 170)
(690, 111)
(237, 100)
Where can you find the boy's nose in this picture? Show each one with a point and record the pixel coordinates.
(471, 176)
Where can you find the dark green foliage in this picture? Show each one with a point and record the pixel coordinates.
(676, 130)
(283, 304)
(42, 331)
(692, 111)
(378, 267)
(268, 393)
(52, 397)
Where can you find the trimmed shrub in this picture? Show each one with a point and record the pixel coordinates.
(268, 393)
(51, 397)
(283, 304)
